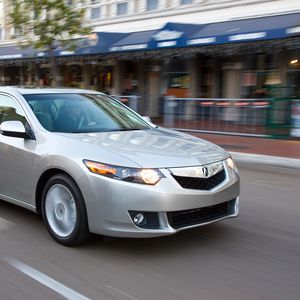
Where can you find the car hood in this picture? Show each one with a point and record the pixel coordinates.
(157, 148)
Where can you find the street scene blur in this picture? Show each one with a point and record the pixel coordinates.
(224, 71)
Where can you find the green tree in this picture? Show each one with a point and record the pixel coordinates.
(47, 24)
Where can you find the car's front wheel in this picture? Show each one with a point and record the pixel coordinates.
(64, 211)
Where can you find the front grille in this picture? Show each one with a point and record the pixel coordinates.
(183, 218)
(201, 183)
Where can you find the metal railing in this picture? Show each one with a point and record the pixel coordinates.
(268, 117)
(218, 115)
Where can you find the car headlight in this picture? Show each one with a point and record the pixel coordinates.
(231, 164)
(144, 176)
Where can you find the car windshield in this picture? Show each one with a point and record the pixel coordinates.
(78, 113)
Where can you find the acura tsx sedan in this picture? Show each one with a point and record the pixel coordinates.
(89, 164)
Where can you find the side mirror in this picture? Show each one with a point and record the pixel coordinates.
(14, 129)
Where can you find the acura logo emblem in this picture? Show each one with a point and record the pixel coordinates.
(205, 171)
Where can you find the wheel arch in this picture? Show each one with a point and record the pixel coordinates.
(41, 184)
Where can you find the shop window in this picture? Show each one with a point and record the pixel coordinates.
(74, 76)
(179, 80)
(152, 5)
(95, 13)
(122, 8)
(178, 84)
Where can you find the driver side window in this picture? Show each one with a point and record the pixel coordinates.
(10, 110)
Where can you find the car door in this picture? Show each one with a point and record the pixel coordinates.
(16, 156)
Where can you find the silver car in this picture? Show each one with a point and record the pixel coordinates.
(88, 164)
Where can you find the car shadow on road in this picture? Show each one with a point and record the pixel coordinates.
(203, 237)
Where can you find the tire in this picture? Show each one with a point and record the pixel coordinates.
(64, 212)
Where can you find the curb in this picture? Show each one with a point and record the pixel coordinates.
(269, 160)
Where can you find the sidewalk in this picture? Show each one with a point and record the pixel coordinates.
(284, 153)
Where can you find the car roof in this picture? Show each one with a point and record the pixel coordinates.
(33, 90)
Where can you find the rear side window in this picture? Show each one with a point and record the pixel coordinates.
(10, 110)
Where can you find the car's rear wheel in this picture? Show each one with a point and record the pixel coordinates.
(64, 211)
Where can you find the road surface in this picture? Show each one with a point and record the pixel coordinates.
(256, 256)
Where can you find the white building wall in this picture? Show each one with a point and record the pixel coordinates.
(200, 12)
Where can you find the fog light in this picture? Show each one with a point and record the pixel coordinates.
(144, 219)
(139, 219)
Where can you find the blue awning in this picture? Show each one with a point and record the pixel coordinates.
(96, 43)
(266, 28)
(170, 36)
(15, 52)
(134, 41)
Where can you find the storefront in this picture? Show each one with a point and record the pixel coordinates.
(232, 59)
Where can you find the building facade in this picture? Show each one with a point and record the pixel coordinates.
(142, 55)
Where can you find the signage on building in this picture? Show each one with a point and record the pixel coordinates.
(128, 47)
(66, 52)
(166, 44)
(40, 54)
(293, 30)
(247, 36)
(200, 41)
(167, 35)
(9, 56)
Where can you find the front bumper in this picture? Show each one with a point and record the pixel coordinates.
(109, 203)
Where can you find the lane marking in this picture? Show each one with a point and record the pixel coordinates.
(5, 224)
(46, 280)
(121, 292)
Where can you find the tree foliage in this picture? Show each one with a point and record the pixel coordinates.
(44, 24)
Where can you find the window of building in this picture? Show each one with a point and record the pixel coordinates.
(184, 2)
(95, 13)
(152, 4)
(1, 34)
(122, 8)
(95, 1)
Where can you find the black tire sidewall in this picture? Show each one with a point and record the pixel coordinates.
(80, 232)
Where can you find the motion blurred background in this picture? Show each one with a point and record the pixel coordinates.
(197, 65)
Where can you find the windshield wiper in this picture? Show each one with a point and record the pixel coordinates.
(125, 129)
(129, 129)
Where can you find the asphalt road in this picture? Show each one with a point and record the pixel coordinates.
(256, 256)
